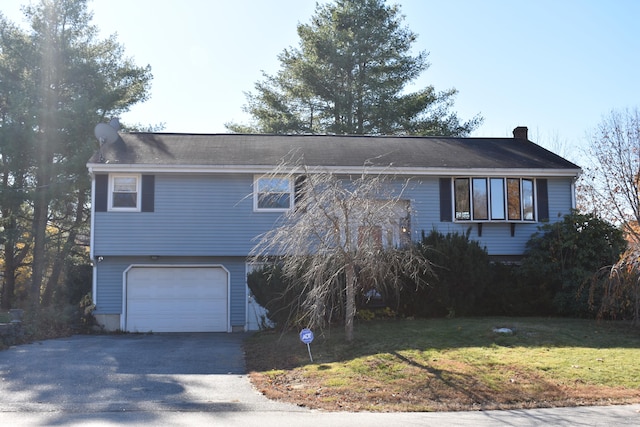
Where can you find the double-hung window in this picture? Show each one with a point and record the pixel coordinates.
(273, 194)
(494, 199)
(124, 192)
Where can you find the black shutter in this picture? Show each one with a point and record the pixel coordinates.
(543, 199)
(102, 193)
(445, 200)
(148, 193)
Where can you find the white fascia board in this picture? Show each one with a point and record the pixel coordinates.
(254, 169)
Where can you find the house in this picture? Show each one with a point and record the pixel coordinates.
(175, 215)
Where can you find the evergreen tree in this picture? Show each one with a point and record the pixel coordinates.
(348, 76)
(58, 81)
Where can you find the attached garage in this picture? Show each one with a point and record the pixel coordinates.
(176, 299)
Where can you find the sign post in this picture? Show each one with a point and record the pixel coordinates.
(306, 336)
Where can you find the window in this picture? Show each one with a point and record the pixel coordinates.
(463, 211)
(273, 194)
(394, 229)
(513, 198)
(300, 191)
(527, 200)
(370, 237)
(494, 199)
(497, 198)
(124, 193)
(480, 199)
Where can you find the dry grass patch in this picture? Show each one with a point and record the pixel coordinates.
(452, 364)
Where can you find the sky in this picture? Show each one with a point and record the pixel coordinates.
(555, 66)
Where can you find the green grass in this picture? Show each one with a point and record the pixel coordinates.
(454, 364)
(5, 317)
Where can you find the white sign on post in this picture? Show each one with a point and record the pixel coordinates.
(306, 336)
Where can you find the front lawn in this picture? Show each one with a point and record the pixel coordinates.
(452, 364)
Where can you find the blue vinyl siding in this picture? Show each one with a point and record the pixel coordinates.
(212, 215)
(560, 198)
(496, 236)
(198, 215)
(108, 296)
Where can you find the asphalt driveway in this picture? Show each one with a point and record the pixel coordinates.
(130, 372)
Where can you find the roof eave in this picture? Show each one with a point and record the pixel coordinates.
(386, 170)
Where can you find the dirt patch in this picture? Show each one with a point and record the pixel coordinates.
(297, 387)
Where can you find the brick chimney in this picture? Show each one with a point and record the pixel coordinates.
(521, 132)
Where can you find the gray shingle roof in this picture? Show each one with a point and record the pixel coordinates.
(229, 150)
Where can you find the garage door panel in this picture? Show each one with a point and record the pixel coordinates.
(177, 299)
(160, 291)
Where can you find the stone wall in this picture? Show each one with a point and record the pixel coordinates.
(11, 333)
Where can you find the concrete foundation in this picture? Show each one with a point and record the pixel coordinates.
(110, 322)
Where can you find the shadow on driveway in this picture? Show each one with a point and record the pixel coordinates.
(144, 372)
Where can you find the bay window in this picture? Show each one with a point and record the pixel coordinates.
(494, 199)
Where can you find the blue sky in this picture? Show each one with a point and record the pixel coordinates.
(556, 66)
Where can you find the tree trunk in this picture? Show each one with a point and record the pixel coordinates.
(636, 311)
(9, 275)
(9, 224)
(350, 302)
(59, 262)
(12, 261)
(40, 215)
(40, 221)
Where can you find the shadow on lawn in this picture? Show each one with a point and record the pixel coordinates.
(274, 350)
(459, 386)
(447, 364)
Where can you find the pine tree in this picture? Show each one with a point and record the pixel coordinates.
(348, 76)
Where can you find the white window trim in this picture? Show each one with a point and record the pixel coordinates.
(255, 194)
(506, 220)
(138, 178)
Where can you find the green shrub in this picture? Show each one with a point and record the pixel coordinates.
(563, 257)
(507, 294)
(365, 314)
(462, 273)
(368, 314)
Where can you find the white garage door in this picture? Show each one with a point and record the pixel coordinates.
(176, 299)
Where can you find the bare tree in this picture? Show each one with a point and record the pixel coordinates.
(610, 187)
(345, 235)
(555, 142)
